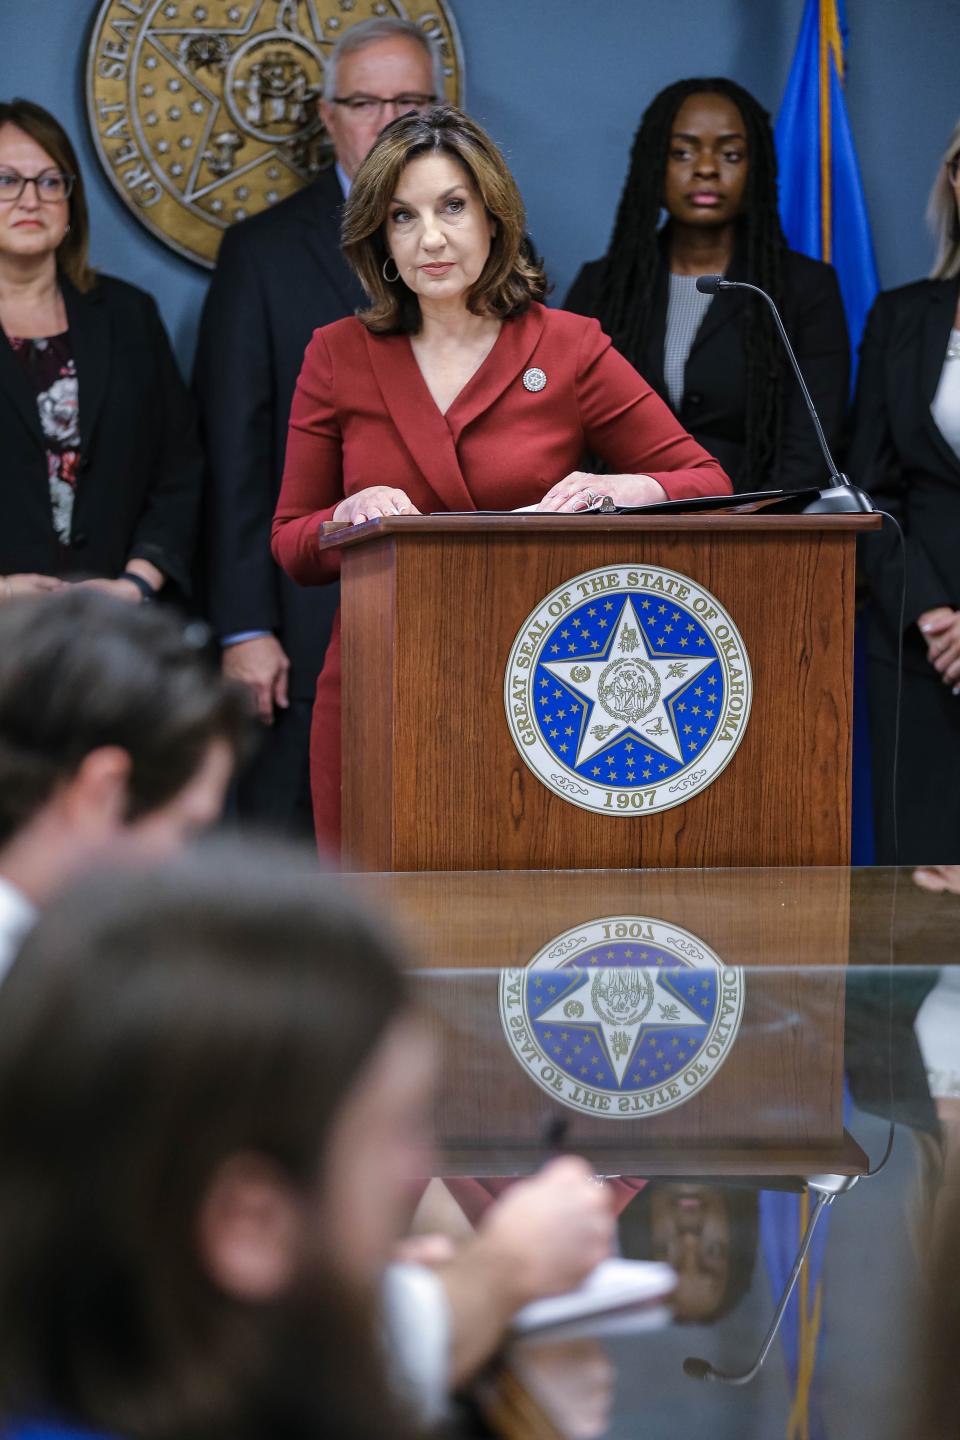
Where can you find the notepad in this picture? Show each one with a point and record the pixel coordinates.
(603, 506)
(614, 1288)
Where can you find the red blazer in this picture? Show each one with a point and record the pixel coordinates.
(362, 415)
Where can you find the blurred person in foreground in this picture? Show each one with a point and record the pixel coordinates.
(213, 1127)
(101, 461)
(117, 740)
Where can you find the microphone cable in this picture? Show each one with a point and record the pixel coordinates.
(891, 936)
(895, 825)
(694, 1367)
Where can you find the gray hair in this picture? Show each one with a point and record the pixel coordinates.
(943, 215)
(388, 27)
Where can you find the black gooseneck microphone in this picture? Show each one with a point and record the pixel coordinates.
(826, 1188)
(840, 497)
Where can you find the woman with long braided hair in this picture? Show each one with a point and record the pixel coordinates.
(701, 198)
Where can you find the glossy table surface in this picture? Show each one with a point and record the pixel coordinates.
(714, 1042)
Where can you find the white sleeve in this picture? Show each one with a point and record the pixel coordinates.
(417, 1331)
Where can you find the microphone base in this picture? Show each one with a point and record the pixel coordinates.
(840, 500)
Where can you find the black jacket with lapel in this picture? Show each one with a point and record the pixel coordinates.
(714, 403)
(138, 487)
(898, 454)
(279, 277)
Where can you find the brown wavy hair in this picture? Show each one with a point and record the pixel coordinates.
(156, 1024)
(46, 130)
(512, 276)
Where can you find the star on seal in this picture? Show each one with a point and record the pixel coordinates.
(628, 689)
(622, 1016)
(534, 379)
(631, 690)
(610, 1007)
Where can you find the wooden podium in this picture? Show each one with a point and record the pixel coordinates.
(431, 606)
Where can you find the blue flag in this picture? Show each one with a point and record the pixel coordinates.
(824, 215)
(821, 197)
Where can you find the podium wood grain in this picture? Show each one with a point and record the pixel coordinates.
(432, 779)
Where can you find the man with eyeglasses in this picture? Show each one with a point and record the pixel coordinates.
(279, 276)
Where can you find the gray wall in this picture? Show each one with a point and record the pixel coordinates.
(561, 84)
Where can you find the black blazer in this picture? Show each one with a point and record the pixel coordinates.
(140, 475)
(280, 276)
(898, 454)
(714, 404)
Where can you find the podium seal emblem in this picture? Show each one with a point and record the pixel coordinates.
(205, 111)
(622, 1017)
(628, 690)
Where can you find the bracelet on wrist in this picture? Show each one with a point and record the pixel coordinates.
(147, 592)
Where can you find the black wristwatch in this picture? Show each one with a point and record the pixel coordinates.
(147, 592)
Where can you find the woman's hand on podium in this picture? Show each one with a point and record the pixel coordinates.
(375, 500)
(579, 490)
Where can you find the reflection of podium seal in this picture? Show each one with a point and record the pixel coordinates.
(628, 689)
(622, 1017)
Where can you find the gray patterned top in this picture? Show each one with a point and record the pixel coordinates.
(686, 308)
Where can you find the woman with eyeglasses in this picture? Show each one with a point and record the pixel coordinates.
(101, 464)
(906, 452)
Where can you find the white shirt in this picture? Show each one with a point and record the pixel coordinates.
(17, 916)
(417, 1323)
(945, 408)
(937, 1028)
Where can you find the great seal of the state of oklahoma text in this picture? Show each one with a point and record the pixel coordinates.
(628, 690)
(623, 1016)
(205, 111)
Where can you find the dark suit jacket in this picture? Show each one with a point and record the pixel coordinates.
(898, 454)
(279, 277)
(714, 404)
(140, 473)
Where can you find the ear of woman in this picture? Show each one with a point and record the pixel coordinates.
(250, 1228)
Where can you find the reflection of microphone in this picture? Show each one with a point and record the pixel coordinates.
(827, 1188)
(840, 497)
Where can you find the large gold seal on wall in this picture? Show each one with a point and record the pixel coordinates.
(205, 111)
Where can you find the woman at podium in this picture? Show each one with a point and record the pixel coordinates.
(456, 389)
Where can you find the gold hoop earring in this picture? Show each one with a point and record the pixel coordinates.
(390, 279)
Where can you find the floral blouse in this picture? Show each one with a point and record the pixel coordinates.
(51, 368)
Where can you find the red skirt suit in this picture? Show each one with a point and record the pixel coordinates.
(362, 415)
